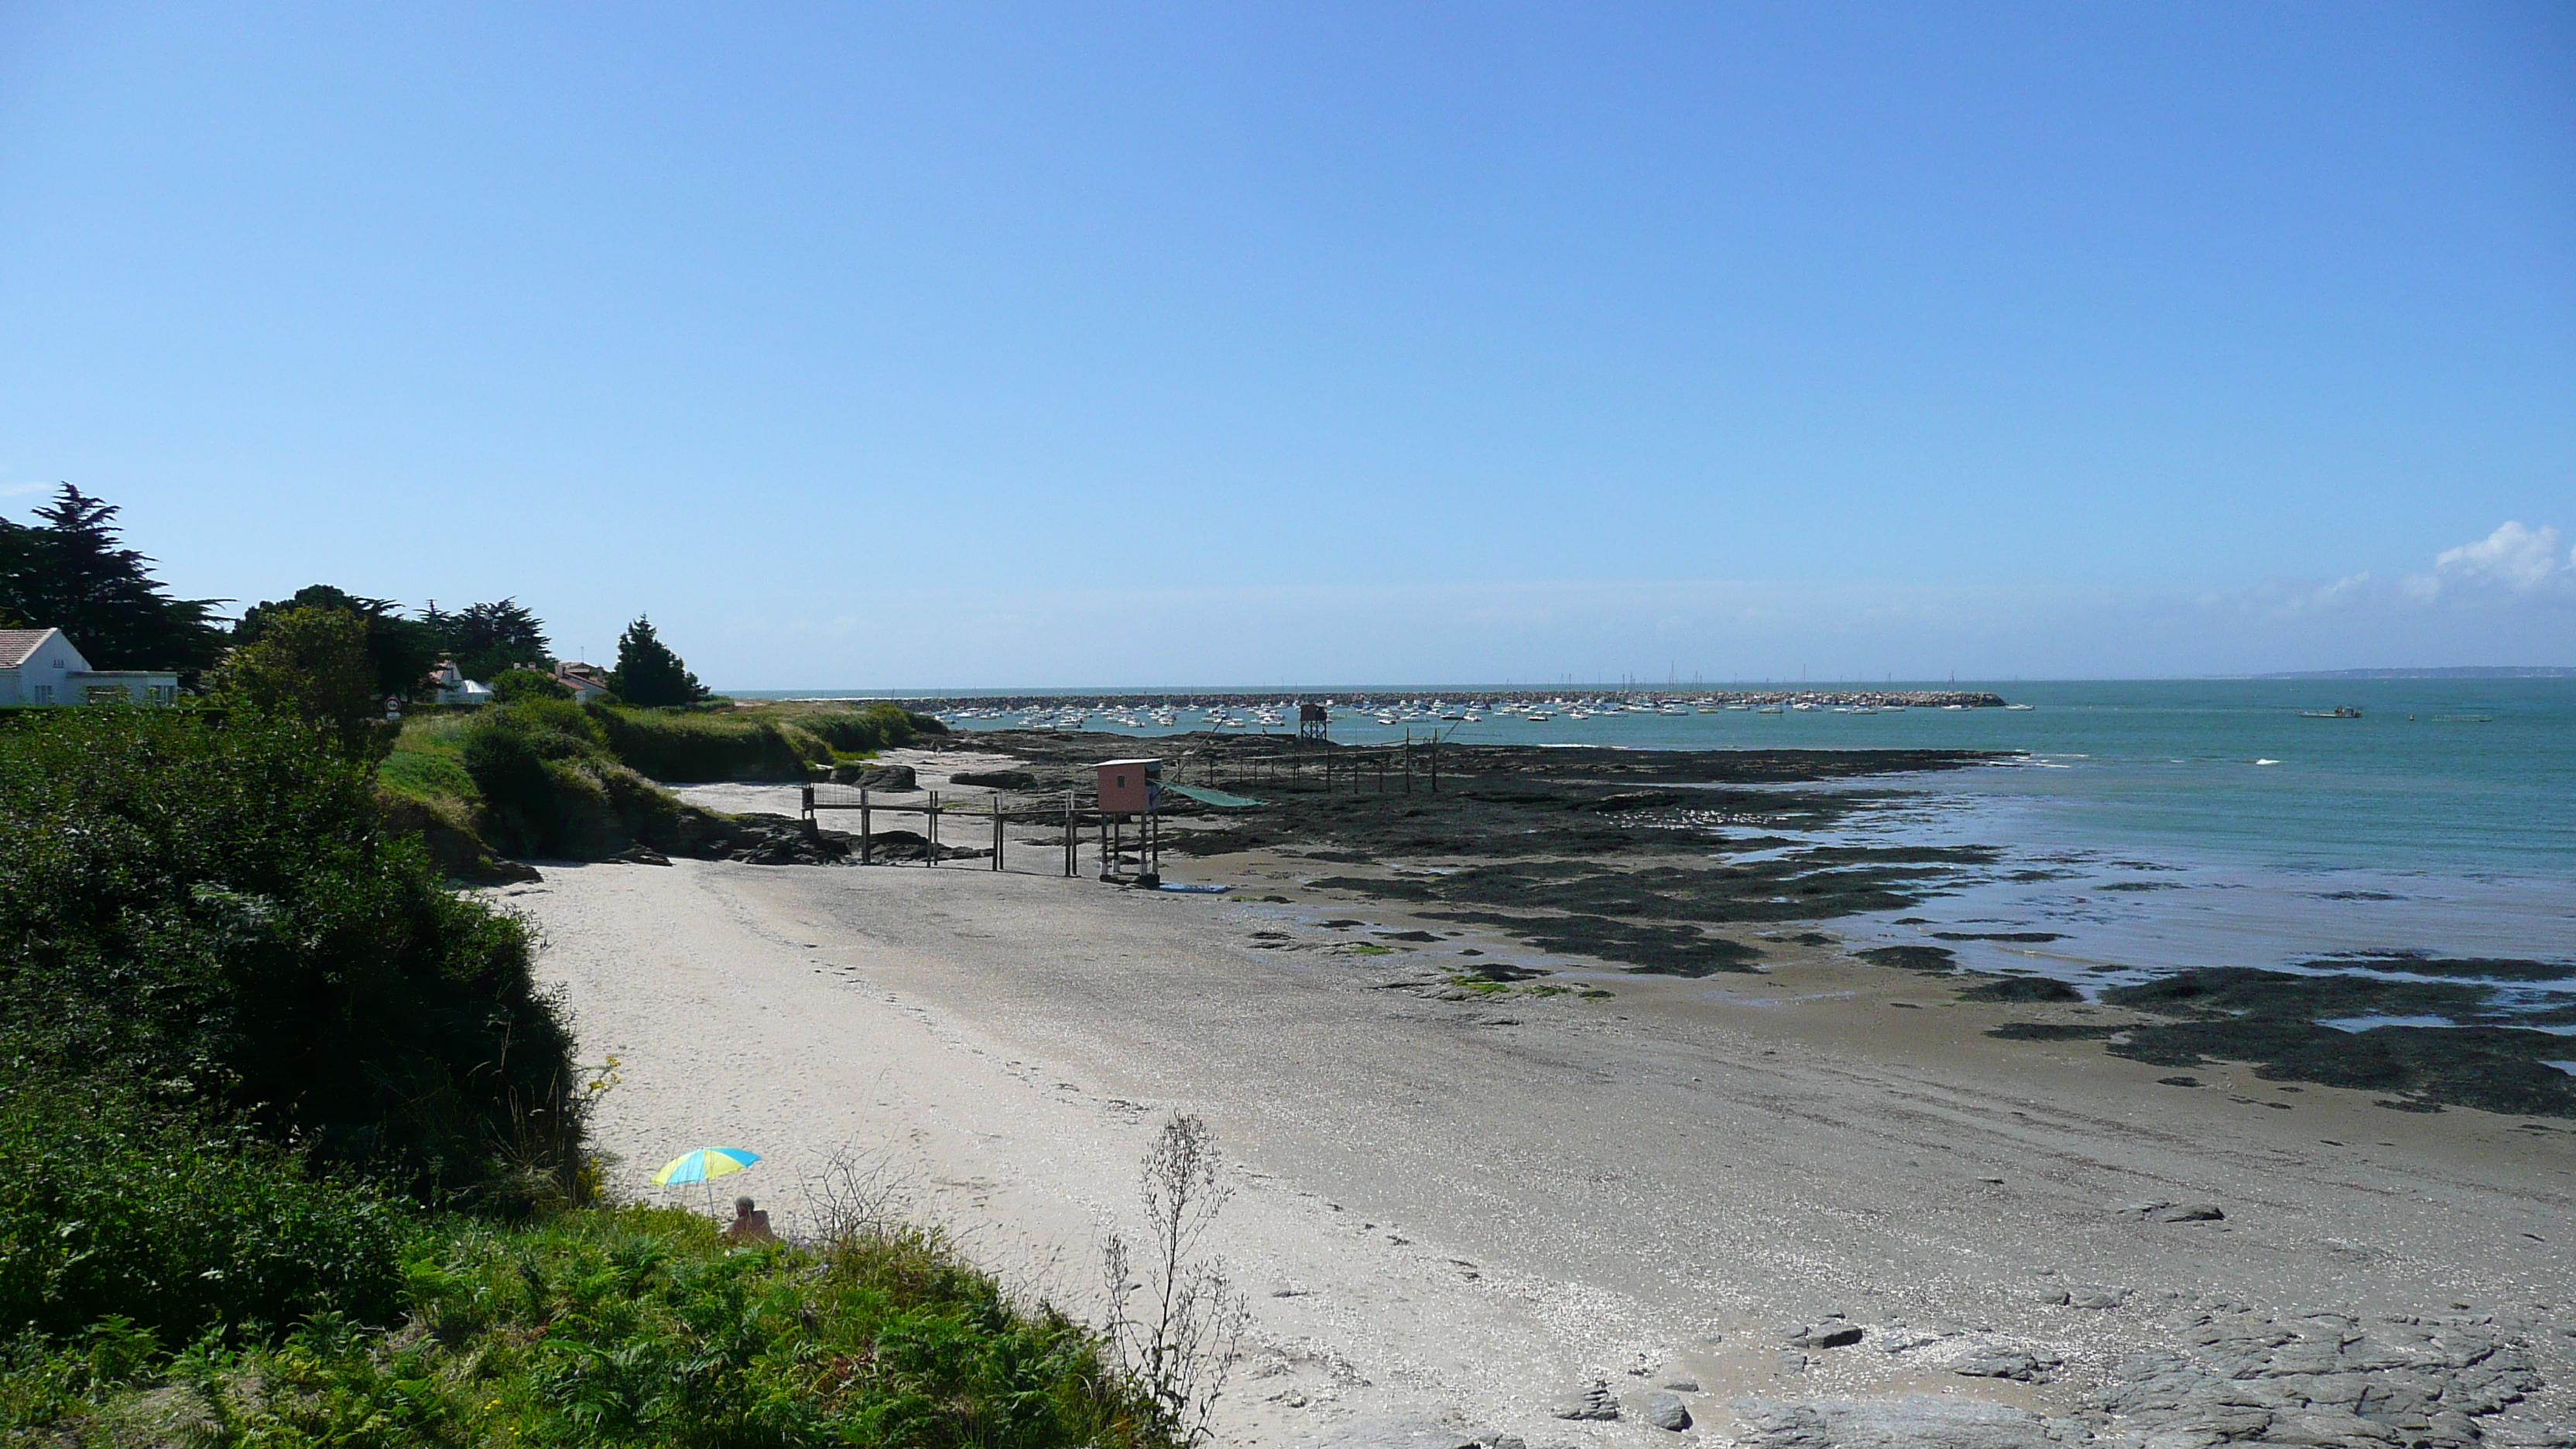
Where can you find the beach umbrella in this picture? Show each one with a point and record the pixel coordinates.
(704, 1163)
(703, 1166)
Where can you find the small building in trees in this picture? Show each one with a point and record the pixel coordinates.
(454, 688)
(586, 681)
(40, 666)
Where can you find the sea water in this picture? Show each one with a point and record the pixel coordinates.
(2156, 825)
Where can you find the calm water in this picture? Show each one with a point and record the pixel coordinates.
(2235, 831)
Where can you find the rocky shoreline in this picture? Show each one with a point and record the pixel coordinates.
(2310, 1377)
(1692, 863)
(1557, 1133)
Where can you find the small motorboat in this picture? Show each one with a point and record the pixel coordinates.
(2341, 711)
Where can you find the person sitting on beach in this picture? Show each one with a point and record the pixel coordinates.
(749, 1225)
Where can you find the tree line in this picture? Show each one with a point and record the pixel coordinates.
(71, 570)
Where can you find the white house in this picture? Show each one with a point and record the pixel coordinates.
(40, 666)
(455, 688)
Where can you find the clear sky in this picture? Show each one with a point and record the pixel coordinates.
(947, 345)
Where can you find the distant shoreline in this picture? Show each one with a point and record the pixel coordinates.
(1494, 699)
(1230, 692)
(2464, 671)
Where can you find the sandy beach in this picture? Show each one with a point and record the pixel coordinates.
(1457, 1211)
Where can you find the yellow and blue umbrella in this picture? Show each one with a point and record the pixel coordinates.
(704, 1163)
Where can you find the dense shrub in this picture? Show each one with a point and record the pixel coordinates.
(400, 652)
(550, 786)
(424, 774)
(111, 1208)
(209, 908)
(672, 744)
(512, 685)
(639, 1327)
(310, 664)
(875, 727)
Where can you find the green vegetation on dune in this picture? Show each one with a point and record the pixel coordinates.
(634, 1326)
(542, 776)
(551, 786)
(292, 1151)
(690, 745)
(175, 1221)
(292, 1147)
(208, 906)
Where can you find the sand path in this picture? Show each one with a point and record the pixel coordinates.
(1459, 1210)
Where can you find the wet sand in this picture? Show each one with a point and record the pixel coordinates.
(1458, 1205)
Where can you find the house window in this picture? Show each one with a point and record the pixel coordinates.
(165, 694)
(44, 694)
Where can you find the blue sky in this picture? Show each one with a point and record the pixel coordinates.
(956, 345)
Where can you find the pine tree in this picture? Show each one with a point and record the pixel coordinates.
(70, 572)
(648, 673)
(485, 639)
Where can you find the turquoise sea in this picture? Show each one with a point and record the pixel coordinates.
(2227, 828)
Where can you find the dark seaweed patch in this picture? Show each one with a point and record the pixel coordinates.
(1913, 958)
(2021, 988)
(2028, 937)
(2415, 964)
(1497, 971)
(2050, 1031)
(2245, 991)
(1646, 949)
(1788, 889)
(2270, 1018)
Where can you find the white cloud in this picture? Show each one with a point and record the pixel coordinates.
(2514, 559)
(12, 490)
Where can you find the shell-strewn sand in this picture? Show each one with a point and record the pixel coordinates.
(1461, 1210)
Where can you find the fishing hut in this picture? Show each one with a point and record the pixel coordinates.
(1132, 789)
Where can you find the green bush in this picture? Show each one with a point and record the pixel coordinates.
(640, 1327)
(428, 775)
(512, 685)
(310, 665)
(676, 744)
(874, 727)
(208, 908)
(550, 786)
(173, 1225)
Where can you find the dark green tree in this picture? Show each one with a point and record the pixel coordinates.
(485, 639)
(400, 651)
(648, 673)
(310, 665)
(70, 571)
